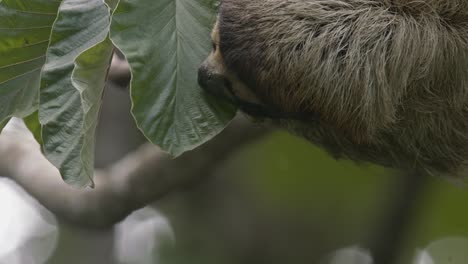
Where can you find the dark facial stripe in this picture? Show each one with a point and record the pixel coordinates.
(262, 111)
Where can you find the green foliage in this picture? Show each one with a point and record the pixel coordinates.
(170, 44)
(54, 58)
(25, 28)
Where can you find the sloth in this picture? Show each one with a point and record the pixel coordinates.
(380, 81)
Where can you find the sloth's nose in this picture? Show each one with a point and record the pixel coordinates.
(212, 83)
(203, 76)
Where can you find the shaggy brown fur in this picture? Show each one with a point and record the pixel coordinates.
(389, 78)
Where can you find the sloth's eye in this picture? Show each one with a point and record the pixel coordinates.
(214, 46)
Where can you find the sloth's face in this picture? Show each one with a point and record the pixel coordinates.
(216, 79)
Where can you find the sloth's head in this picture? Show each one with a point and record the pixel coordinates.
(217, 78)
(382, 81)
(352, 64)
(288, 60)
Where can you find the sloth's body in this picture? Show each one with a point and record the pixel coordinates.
(388, 79)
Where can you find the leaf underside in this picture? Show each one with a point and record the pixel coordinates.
(72, 84)
(170, 38)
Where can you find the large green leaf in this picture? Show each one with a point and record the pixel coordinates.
(24, 35)
(72, 84)
(164, 41)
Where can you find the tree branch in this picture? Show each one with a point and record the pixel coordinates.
(397, 216)
(119, 71)
(131, 183)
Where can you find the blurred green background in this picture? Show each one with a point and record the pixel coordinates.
(278, 200)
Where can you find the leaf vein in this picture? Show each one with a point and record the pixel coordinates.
(25, 28)
(31, 12)
(23, 74)
(20, 62)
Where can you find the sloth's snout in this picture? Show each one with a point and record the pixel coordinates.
(203, 76)
(212, 83)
